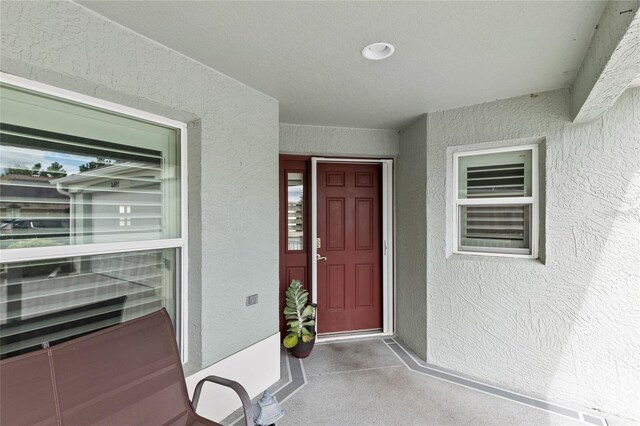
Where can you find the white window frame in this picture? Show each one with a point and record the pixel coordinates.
(180, 244)
(533, 200)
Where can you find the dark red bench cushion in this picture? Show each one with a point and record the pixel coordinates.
(26, 390)
(127, 374)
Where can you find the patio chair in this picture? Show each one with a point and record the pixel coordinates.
(127, 374)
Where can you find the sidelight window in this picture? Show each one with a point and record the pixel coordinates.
(295, 211)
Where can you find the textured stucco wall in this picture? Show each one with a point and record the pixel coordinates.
(322, 140)
(569, 329)
(611, 62)
(233, 154)
(411, 240)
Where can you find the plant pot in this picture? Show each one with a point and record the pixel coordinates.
(302, 350)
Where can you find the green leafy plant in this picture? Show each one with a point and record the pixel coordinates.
(300, 316)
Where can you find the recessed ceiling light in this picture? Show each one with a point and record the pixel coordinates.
(377, 51)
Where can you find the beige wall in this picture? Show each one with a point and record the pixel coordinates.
(233, 156)
(336, 141)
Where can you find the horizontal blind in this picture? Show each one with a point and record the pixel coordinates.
(54, 300)
(72, 174)
(295, 211)
(504, 180)
(490, 216)
(95, 192)
(494, 226)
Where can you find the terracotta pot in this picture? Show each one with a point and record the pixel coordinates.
(302, 350)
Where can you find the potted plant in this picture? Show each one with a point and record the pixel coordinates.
(300, 320)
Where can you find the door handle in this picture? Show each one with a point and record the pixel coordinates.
(318, 257)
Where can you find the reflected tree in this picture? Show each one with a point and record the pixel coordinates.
(55, 170)
(91, 165)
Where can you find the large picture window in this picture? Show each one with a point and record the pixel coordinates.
(91, 212)
(496, 201)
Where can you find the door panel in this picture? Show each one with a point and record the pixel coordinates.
(296, 273)
(335, 288)
(364, 179)
(364, 223)
(335, 178)
(335, 224)
(364, 285)
(350, 233)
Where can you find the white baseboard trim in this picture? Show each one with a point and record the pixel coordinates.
(256, 368)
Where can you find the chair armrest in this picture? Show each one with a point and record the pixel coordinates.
(237, 388)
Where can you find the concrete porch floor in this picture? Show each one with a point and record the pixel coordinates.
(368, 383)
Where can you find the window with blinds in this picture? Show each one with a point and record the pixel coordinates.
(495, 203)
(102, 186)
(295, 211)
(57, 299)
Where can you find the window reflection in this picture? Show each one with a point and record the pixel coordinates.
(72, 175)
(55, 193)
(57, 299)
(295, 211)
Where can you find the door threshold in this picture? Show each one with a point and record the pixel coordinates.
(355, 335)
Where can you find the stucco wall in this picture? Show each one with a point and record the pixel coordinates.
(233, 156)
(336, 141)
(567, 330)
(411, 241)
(612, 61)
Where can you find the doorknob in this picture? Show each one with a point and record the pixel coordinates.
(318, 257)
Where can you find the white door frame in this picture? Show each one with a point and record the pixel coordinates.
(388, 323)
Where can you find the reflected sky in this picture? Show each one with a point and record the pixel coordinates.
(295, 193)
(14, 156)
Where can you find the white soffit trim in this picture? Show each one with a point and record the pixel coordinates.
(611, 62)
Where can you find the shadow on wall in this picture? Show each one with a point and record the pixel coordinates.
(568, 330)
(602, 336)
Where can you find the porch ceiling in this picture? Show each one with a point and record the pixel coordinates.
(307, 54)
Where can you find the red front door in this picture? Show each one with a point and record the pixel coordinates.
(349, 229)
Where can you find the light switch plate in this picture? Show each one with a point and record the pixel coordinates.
(252, 300)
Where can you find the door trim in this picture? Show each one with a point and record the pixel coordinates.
(388, 301)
